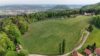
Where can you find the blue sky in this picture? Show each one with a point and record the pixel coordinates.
(8, 2)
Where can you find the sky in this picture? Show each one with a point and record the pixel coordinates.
(9, 2)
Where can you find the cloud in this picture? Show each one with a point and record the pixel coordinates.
(4, 2)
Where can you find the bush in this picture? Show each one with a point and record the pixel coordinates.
(11, 53)
(23, 53)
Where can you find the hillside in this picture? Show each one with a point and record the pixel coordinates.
(94, 8)
(44, 37)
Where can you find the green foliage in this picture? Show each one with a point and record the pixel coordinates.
(12, 32)
(5, 44)
(23, 53)
(92, 47)
(54, 14)
(40, 15)
(90, 28)
(23, 27)
(11, 53)
(21, 23)
(94, 8)
(62, 47)
(96, 21)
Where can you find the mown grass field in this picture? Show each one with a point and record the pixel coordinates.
(44, 37)
(93, 38)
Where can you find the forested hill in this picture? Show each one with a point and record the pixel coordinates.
(92, 8)
(60, 7)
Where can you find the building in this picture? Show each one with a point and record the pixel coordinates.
(97, 51)
(88, 14)
(75, 53)
(88, 52)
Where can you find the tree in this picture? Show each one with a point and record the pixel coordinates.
(5, 44)
(62, 47)
(20, 23)
(93, 47)
(12, 32)
(96, 21)
(90, 28)
(88, 47)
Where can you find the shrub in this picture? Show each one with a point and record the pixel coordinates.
(11, 53)
(23, 53)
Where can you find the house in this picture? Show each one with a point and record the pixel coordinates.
(88, 14)
(75, 53)
(18, 48)
(88, 52)
(97, 51)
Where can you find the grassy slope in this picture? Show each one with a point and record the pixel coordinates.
(44, 37)
(94, 37)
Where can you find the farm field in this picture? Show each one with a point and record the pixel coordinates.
(44, 37)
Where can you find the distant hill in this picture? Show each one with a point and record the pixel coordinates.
(23, 7)
(65, 7)
(20, 9)
(60, 7)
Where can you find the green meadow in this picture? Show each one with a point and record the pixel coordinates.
(93, 38)
(44, 37)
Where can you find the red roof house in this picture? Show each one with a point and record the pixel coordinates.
(97, 51)
(75, 53)
(87, 52)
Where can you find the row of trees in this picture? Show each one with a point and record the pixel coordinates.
(53, 14)
(11, 30)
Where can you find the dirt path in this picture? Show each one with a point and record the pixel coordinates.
(35, 55)
(84, 38)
